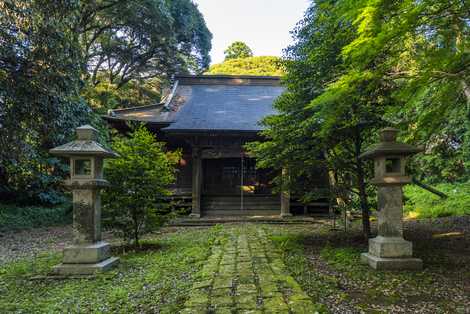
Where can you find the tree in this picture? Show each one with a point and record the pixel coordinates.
(58, 55)
(357, 66)
(263, 65)
(140, 178)
(423, 48)
(126, 43)
(238, 49)
(40, 103)
(314, 130)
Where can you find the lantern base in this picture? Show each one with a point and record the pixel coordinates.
(390, 247)
(86, 259)
(86, 269)
(395, 263)
(87, 253)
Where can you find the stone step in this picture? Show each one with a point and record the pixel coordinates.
(233, 203)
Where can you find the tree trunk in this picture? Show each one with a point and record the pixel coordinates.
(136, 230)
(466, 91)
(136, 237)
(361, 185)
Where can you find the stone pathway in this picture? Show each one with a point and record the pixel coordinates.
(246, 274)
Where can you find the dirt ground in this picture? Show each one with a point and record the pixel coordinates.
(443, 286)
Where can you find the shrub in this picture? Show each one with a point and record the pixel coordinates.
(424, 204)
(13, 217)
(133, 204)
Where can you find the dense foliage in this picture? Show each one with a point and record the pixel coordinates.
(13, 217)
(40, 100)
(61, 62)
(262, 65)
(420, 204)
(357, 66)
(140, 178)
(132, 47)
(236, 50)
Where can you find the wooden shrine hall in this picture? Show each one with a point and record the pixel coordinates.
(210, 118)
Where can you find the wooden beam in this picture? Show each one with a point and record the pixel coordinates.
(196, 183)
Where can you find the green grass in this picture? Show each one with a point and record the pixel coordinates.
(423, 204)
(337, 276)
(315, 284)
(14, 217)
(155, 281)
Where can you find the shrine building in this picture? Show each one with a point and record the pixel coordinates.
(210, 118)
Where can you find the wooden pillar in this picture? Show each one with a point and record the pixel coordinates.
(196, 183)
(285, 197)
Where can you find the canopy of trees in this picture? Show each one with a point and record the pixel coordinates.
(130, 47)
(238, 49)
(357, 66)
(40, 101)
(263, 65)
(59, 57)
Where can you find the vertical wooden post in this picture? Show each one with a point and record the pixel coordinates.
(196, 183)
(285, 197)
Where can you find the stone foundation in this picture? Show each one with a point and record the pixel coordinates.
(85, 269)
(396, 263)
(389, 247)
(86, 254)
(86, 259)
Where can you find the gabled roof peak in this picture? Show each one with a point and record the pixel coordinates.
(228, 80)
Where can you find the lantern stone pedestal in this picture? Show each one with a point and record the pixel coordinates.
(88, 254)
(389, 250)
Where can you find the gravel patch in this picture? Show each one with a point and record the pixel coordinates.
(27, 244)
(17, 245)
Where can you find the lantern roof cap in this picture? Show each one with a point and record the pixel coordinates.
(85, 145)
(389, 146)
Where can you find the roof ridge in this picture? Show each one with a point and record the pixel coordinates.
(229, 80)
(111, 112)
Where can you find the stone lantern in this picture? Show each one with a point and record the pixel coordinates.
(88, 254)
(389, 250)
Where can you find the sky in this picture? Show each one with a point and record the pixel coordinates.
(264, 25)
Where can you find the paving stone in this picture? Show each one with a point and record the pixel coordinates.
(194, 310)
(245, 266)
(246, 288)
(222, 310)
(267, 275)
(222, 282)
(197, 300)
(247, 301)
(270, 291)
(246, 279)
(248, 266)
(251, 311)
(222, 301)
(222, 292)
(203, 284)
(275, 305)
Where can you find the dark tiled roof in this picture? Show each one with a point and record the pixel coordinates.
(212, 103)
(152, 114)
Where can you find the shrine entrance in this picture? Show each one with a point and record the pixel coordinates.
(234, 176)
(234, 186)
